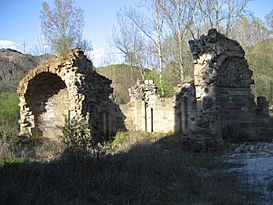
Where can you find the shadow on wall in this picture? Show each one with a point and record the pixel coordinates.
(108, 120)
(185, 108)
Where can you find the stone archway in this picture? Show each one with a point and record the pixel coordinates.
(67, 86)
(47, 98)
(54, 90)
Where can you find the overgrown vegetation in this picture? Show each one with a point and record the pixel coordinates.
(76, 136)
(9, 112)
(137, 168)
(166, 86)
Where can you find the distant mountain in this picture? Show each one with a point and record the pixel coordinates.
(14, 65)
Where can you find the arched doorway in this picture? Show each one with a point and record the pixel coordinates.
(47, 98)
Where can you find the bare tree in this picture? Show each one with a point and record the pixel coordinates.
(165, 27)
(178, 16)
(269, 21)
(62, 26)
(249, 31)
(152, 27)
(128, 40)
(41, 47)
(219, 14)
(142, 36)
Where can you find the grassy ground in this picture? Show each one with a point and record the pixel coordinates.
(135, 168)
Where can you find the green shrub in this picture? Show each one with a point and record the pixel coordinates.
(124, 141)
(16, 160)
(9, 110)
(9, 143)
(77, 135)
(166, 87)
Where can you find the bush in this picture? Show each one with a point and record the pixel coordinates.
(9, 110)
(14, 146)
(77, 135)
(167, 87)
(8, 144)
(16, 160)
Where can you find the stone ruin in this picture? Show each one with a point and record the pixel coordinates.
(225, 107)
(216, 106)
(147, 112)
(67, 88)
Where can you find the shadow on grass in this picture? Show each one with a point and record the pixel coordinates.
(157, 172)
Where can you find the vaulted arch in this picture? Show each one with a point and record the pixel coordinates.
(47, 98)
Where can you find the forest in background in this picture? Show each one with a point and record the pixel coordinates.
(155, 36)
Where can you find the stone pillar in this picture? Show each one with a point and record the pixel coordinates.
(141, 97)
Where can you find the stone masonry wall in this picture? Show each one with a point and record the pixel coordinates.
(185, 108)
(148, 112)
(225, 104)
(67, 87)
(218, 105)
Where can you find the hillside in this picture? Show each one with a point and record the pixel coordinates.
(13, 66)
(123, 77)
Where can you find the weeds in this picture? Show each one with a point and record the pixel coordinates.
(8, 144)
(138, 170)
(16, 160)
(124, 141)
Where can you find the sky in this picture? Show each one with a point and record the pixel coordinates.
(20, 24)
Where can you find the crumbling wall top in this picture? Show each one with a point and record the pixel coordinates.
(60, 66)
(143, 90)
(219, 60)
(216, 44)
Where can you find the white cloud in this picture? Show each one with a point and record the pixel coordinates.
(9, 44)
(102, 57)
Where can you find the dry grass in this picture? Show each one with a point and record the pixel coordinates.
(136, 168)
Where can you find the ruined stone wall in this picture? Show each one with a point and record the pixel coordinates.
(147, 112)
(67, 87)
(185, 108)
(218, 105)
(225, 104)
